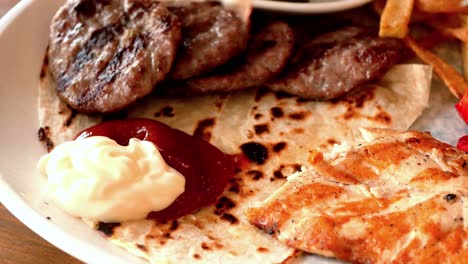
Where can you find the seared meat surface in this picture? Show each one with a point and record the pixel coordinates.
(267, 54)
(334, 63)
(211, 36)
(105, 54)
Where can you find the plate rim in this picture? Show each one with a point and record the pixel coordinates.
(16, 204)
(53, 234)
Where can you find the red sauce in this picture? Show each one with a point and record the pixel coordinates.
(463, 143)
(206, 169)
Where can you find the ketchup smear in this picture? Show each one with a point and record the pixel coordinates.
(206, 169)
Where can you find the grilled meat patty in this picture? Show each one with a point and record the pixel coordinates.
(211, 36)
(334, 63)
(266, 55)
(105, 54)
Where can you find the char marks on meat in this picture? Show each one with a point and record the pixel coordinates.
(334, 63)
(267, 54)
(211, 36)
(104, 54)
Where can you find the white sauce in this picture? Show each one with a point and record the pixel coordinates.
(97, 179)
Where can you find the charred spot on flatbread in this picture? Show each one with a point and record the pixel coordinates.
(45, 66)
(256, 152)
(383, 116)
(277, 112)
(262, 249)
(43, 134)
(71, 117)
(286, 169)
(357, 98)
(142, 247)
(166, 111)
(223, 205)
(300, 115)
(230, 218)
(278, 147)
(174, 225)
(255, 174)
(204, 128)
(261, 129)
(234, 187)
(107, 228)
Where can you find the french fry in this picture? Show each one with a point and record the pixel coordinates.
(464, 48)
(440, 6)
(462, 105)
(395, 18)
(445, 71)
(429, 41)
(452, 25)
(433, 39)
(465, 60)
(449, 19)
(378, 6)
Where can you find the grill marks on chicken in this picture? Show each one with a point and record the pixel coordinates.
(400, 198)
(335, 63)
(104, 55)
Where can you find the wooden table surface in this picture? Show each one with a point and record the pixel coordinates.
(18, 244)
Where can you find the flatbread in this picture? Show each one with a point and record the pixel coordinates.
(402, 197)
(58, 122)
(286, 126)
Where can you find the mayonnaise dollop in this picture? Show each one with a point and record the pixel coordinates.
(97, 179)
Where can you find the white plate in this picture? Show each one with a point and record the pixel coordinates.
(23, 40)
(313, 7)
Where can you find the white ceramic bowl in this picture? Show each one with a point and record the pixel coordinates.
(312, 7)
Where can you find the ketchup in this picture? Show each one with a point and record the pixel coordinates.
(206, 169)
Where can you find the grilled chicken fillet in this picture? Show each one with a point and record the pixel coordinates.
(399, 199)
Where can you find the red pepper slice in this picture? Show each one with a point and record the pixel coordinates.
(463, 143)
(462, 107)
